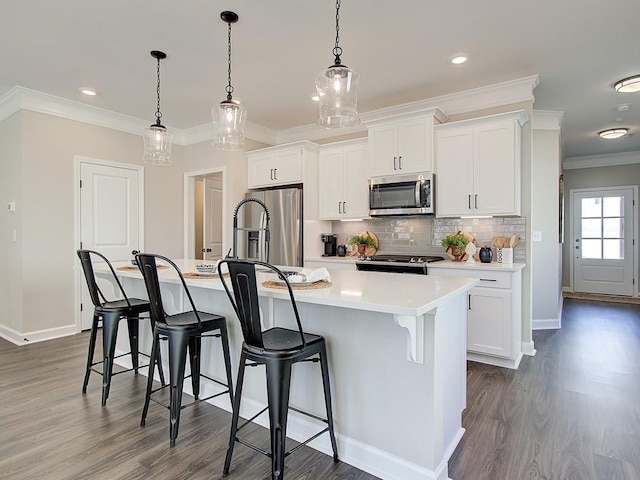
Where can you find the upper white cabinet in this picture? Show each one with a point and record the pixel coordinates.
(279, 165)
(403, 144)
(343, 181)
(478, 166)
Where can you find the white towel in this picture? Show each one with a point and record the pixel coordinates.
(310, 276)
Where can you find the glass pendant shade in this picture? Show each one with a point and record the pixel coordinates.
(157, 145)
(228, 122)
(337, 88)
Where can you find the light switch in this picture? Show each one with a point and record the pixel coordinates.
(536, 236)
(12, 207)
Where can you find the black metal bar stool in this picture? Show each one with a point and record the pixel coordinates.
(278, 349)
(110, 313)
(180, 330)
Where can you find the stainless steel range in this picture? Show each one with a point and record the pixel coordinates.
(416, 264)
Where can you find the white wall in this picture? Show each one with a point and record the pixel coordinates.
(11, 252)
(546, 262)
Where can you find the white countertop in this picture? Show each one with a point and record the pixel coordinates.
(392, 293)
(464, 265)
(336, 259)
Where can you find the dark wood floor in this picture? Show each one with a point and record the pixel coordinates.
(570, 412)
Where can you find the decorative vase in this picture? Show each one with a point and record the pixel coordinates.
(486, 255)
(341, 250)
(361, 248)
(456, 253)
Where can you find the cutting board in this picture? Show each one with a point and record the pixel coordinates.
(369, 250)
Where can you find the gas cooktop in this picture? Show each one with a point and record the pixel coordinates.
(397, 263)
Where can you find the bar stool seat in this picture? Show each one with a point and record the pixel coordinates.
(278, 349)
(109, 313)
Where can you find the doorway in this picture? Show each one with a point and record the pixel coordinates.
(205, 214)
(603, 249)
(108, 218)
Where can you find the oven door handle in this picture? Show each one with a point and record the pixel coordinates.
(417, 193)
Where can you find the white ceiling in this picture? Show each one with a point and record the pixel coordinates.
(579, 48)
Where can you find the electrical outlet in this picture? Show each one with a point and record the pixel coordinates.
(536, 236)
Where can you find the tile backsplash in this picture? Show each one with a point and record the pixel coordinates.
(422, 235)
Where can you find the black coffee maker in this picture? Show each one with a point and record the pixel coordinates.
(330, 243)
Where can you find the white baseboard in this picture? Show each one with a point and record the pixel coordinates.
(18, 338)
(495, 361)
(546, 324)
(528, 348)
(299, 427)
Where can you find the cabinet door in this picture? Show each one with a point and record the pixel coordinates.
(495, 182)
(288, 167)
(356, 183)
(331, 184)
(383, 143)
(489, 324)
(414, 147)
(454, 172)
(260, 169)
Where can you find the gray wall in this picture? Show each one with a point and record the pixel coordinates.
(595, 177)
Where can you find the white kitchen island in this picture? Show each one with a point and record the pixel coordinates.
(397, 359)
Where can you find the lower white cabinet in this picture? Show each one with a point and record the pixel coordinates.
(494, 318)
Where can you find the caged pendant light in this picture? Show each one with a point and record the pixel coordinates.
(157, 140)
(338, 90)
(229, 117)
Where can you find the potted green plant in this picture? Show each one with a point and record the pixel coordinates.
(455, 244)
(362, 242)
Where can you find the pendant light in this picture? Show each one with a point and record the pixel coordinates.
(338, 90)
(157, 140)
(229, 116)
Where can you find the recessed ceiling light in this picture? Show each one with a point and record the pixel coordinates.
(613, 133)
(459, 58)
(88, 91)
(628, 85)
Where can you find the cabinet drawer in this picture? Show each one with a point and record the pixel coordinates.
(487, 278)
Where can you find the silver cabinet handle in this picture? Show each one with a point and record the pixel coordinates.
(400, 162)
(469, 202)
(339, 207)
(275, 173)
(475, 201)
(344, 207)
(394, 163)
(488, 280)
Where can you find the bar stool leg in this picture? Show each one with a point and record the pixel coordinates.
(109, 335)
(177, 360)
(236, 413)
(92, 349)
(133, 327)
(278, 383)
(327, 399)
(195, 349)
(158, 358)
(224, 338)
(155, 351)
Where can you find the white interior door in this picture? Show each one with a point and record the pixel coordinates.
(603, 250)
(110, 220)
(212, 221)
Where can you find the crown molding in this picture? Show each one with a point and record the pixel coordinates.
(20, 98)
(490, 96)
(547, 120)
(499, 94)
(624, 158)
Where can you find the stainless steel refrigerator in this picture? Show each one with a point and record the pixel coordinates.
(285, 227)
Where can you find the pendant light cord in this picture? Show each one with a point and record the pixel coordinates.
(229, 88)
(158, 114)
(337, 51)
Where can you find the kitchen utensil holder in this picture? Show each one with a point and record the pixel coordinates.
(505, 255)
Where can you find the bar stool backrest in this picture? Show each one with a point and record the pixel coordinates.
(244, 298)
(149, 270)
(97, 297)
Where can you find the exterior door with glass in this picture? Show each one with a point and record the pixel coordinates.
(603, 247)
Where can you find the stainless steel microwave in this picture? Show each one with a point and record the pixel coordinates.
(410, 194)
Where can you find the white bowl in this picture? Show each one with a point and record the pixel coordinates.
(206, 268)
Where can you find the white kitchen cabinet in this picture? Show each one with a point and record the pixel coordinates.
(272, 166)
(493, 312)
(403, 145)
(343, 181)
(478, 166)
